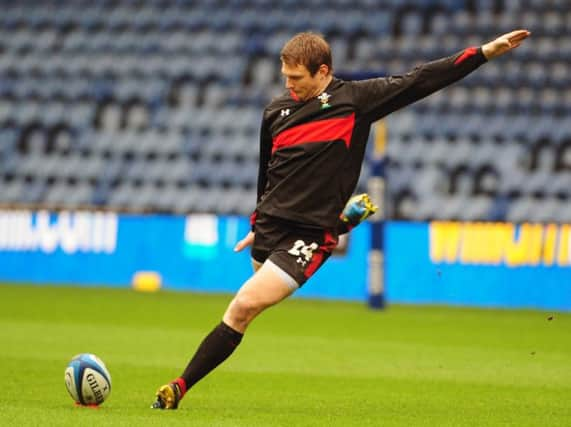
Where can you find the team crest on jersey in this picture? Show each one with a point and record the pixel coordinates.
(324, 99)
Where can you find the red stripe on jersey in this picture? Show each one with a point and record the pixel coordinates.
(471, 51)
(330, 242)
(318, 131)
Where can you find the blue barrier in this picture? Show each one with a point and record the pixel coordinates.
(190, 253)
(494, 265)
(501, 265)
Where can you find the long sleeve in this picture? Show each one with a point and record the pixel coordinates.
(381, 96)
(265, 154)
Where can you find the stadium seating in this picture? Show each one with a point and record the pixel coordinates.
(155, 105)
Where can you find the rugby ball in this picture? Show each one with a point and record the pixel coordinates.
(87, 379)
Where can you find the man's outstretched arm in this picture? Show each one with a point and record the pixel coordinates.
(381, 96)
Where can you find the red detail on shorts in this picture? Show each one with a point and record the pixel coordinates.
(316, 260)
(471, 51)
(319, 131)
(329, 243)
(293, 95)
(253, 217)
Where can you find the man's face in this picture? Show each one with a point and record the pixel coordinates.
(299, 80)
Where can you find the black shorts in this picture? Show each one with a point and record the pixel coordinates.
(297, 250)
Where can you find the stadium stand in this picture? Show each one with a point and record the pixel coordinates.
(155, 105)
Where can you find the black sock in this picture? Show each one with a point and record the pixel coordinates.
(213, 350)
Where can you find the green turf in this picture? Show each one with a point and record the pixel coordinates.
(303, 363)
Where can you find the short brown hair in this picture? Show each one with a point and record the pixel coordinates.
(308, 49)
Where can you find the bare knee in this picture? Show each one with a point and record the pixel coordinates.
(261, 291)
(241, 311)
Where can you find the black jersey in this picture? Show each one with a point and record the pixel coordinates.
(311, 151)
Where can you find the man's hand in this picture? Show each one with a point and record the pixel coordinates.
(245, 242)
(358, 209)
(504, 43)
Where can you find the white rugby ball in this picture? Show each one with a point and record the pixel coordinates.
(87, 379)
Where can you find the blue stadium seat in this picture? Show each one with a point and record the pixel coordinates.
(12, 191)
(132, 95)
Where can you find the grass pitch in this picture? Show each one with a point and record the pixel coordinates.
(302, 363)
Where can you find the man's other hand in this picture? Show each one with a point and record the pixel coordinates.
(245, 242)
